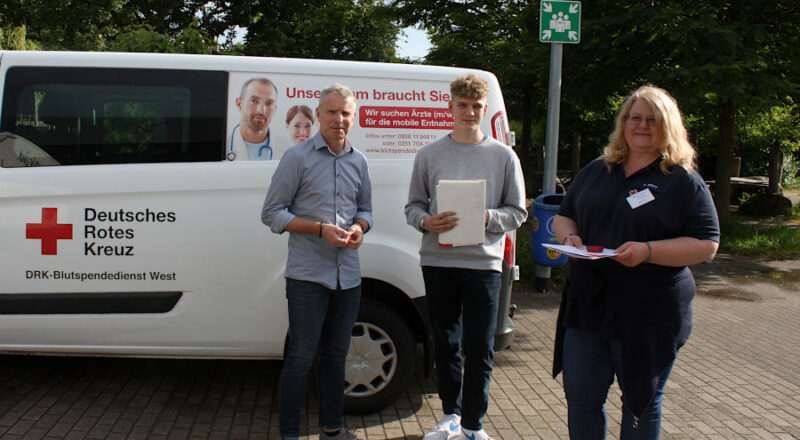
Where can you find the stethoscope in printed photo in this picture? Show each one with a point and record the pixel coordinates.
(263, 150)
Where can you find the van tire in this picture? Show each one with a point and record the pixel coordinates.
(380, 361)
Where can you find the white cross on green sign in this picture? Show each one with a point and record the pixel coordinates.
(560, 22)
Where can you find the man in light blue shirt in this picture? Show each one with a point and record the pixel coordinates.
(321, 194)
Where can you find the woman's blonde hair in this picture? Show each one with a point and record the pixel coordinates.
(675, 147)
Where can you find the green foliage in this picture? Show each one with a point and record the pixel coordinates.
(15, 38)
(743, 237)
(791, 170)
(744, 197)
(527, 267)
(778, 126)
(143, 39)
(186, 26)
(334, 29)
(65, 24)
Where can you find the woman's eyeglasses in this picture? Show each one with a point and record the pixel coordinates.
(636, 120)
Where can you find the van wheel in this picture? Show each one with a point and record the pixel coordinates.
(380, 360)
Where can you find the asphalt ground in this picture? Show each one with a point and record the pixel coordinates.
(737, 378)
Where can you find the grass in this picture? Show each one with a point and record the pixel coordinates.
(767, 238)
(774, 238)
(527, 267)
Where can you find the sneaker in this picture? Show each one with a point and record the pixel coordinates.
(343, 434)
(468, 434)
(449, 425)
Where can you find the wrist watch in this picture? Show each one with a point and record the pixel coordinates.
(421, 221)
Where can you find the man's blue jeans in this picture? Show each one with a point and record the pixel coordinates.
(590, 362)
(462, 304)
(322, 317)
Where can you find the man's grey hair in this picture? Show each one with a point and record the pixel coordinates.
(336, 89)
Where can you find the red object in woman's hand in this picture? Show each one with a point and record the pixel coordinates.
(594, 248)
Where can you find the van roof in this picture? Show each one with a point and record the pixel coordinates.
(238, 64)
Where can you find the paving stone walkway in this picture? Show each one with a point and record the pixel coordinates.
(737, 378)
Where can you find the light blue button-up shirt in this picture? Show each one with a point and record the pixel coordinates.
(313, 183)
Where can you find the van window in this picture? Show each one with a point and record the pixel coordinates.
(85, 116)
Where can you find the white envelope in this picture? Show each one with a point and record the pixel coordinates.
(468, 199)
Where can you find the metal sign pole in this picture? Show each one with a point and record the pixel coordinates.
(553, 115)
(551, 144)
(559, 22)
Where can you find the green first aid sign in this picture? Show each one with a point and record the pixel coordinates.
(560, 22)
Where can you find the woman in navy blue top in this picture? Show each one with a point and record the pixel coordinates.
(628, 315)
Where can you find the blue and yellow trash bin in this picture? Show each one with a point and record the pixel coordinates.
(545, 208)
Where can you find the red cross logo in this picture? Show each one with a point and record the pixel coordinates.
(49, 231)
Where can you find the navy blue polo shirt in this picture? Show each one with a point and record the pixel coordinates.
(648, 306)
(597, 202)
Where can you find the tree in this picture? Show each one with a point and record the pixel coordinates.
(749, 67)
(334, 29)
(340, 29)
(65, 24)
(144, 39)
(172, 25)
(717, 58)
(193, 25)
(499, 36)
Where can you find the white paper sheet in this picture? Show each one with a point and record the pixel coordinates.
(573, 251)
(468, 199)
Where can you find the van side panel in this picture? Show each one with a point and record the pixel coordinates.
(125, 224)
(211, 247)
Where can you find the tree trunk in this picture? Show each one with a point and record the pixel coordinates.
(775, 170)
(722, 186)
(576, 154)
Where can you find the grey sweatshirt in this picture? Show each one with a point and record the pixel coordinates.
(446, 159)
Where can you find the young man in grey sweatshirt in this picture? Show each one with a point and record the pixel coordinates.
(462, 283)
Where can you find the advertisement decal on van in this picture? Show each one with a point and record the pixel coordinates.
(49, 231)
(269, 113)
(105, 233)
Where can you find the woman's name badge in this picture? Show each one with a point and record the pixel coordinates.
(639, 198)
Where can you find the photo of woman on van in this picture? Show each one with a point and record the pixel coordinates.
(299, 120)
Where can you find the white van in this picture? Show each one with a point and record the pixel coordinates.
(128, 230)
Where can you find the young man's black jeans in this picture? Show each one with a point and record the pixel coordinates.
(463, 309)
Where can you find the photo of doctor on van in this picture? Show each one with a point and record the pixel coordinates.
(250, 138)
